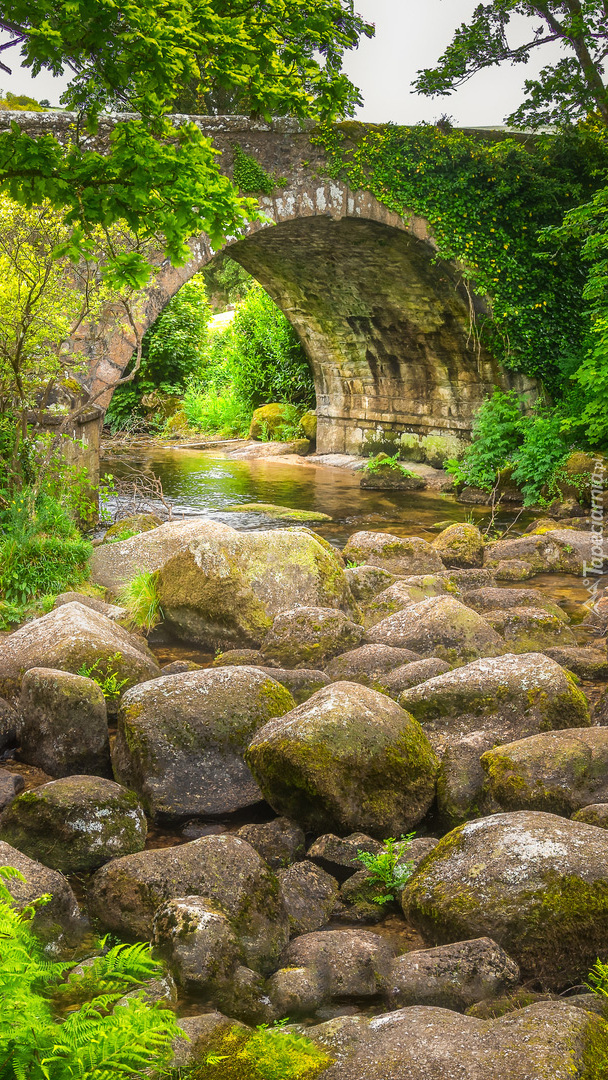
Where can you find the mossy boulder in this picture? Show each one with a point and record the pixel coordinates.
(510, 696)
(343, 964)
(308, 423)
(561, 551)
(515, 570)
(348, 759)
(412, 674)
(309, 637)
(279, 842)
(386, 475)
(461, 777)
(196, 940)
(62, 908)
(226, 587)
(535, 883)
(559, 772)
(594, 814)
(302, 683)
(579, 473)
(278, 513)
(130, 526)
(67, 639)
(75, 824)
(112, 611)
(527, 629)
(309, 894)
(546, 1041)
(114, 565)
(340, 855)
(181, 739)
(460, 545)
(367, 581)
(440, 626)
(452, 976)
(124, 895)
(63, 725)
(585, 663)
(369, 665)
(274, 422)
(10, 786)
(399, 596)
(494, 598)
(398, 554)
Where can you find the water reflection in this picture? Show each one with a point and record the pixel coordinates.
(202, 482)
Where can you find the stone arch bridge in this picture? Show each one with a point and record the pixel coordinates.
(385, 326)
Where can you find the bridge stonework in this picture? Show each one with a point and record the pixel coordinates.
(385, 325)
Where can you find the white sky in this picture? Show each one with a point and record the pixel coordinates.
(410, 34)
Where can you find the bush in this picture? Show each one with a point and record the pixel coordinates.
(267, 1054)
(387, 869)
(496, 436)
(41, 550)
(51, 1029)
(172, 351)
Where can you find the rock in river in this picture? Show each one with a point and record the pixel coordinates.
(69, 637)
(181, 739)
(125, 893)
(512, 696)
(309, 636)
(75, 824)
(348, 759)
(535, 883)
(64, 723)
(439, 626)
(397, 554)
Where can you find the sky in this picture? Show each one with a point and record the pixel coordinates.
(410, 34)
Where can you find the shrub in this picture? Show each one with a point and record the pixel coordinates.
(387, 869)
(496, 436)
(104, 676)
(93, 1041)
(41, 550)
(209, 409)
(141, 599)
(270, 1053)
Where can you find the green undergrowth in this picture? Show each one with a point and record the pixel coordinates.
(141, 599)
(53, 1029)
(105, 675)
(270, 1053)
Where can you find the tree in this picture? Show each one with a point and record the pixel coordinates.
(162, 178)
(567, 90)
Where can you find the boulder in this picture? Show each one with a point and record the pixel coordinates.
(561, 551)
(278, 513)
(546, 1041)
(64, 724)
(129, 526)
(10, 786)
(388, 478)
(178, 667)
(412, 674)
(308, 423)
(452, 976)
(510, 696)
(513, 570)
(347, 759)
(239, 658)
(279, 842)
(398, 597)
(302, 683)
(331, 966)
(586, 663)
(309, 636)
(39, 880)
(309, 895)
(269, 422)
(114, 565)
(460, 546)
(494, 598)
(535, 883)
(181, 739)
(466, 580)
(68, 638)
(358, 902)
(8, 726)
(558, 771)
(111, 611)
(197, 941)
(367, 581)
(527, 629)
(339, 855)
(227, 871)
(461, 777)
(439, 626)
(398, 554)
(75, 824)
(369, 665)
(594, 814)
(225, 587)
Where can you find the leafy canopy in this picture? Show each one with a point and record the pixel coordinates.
(566, 90)
(161, 176)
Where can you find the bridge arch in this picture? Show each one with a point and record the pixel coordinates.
(385, 324)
